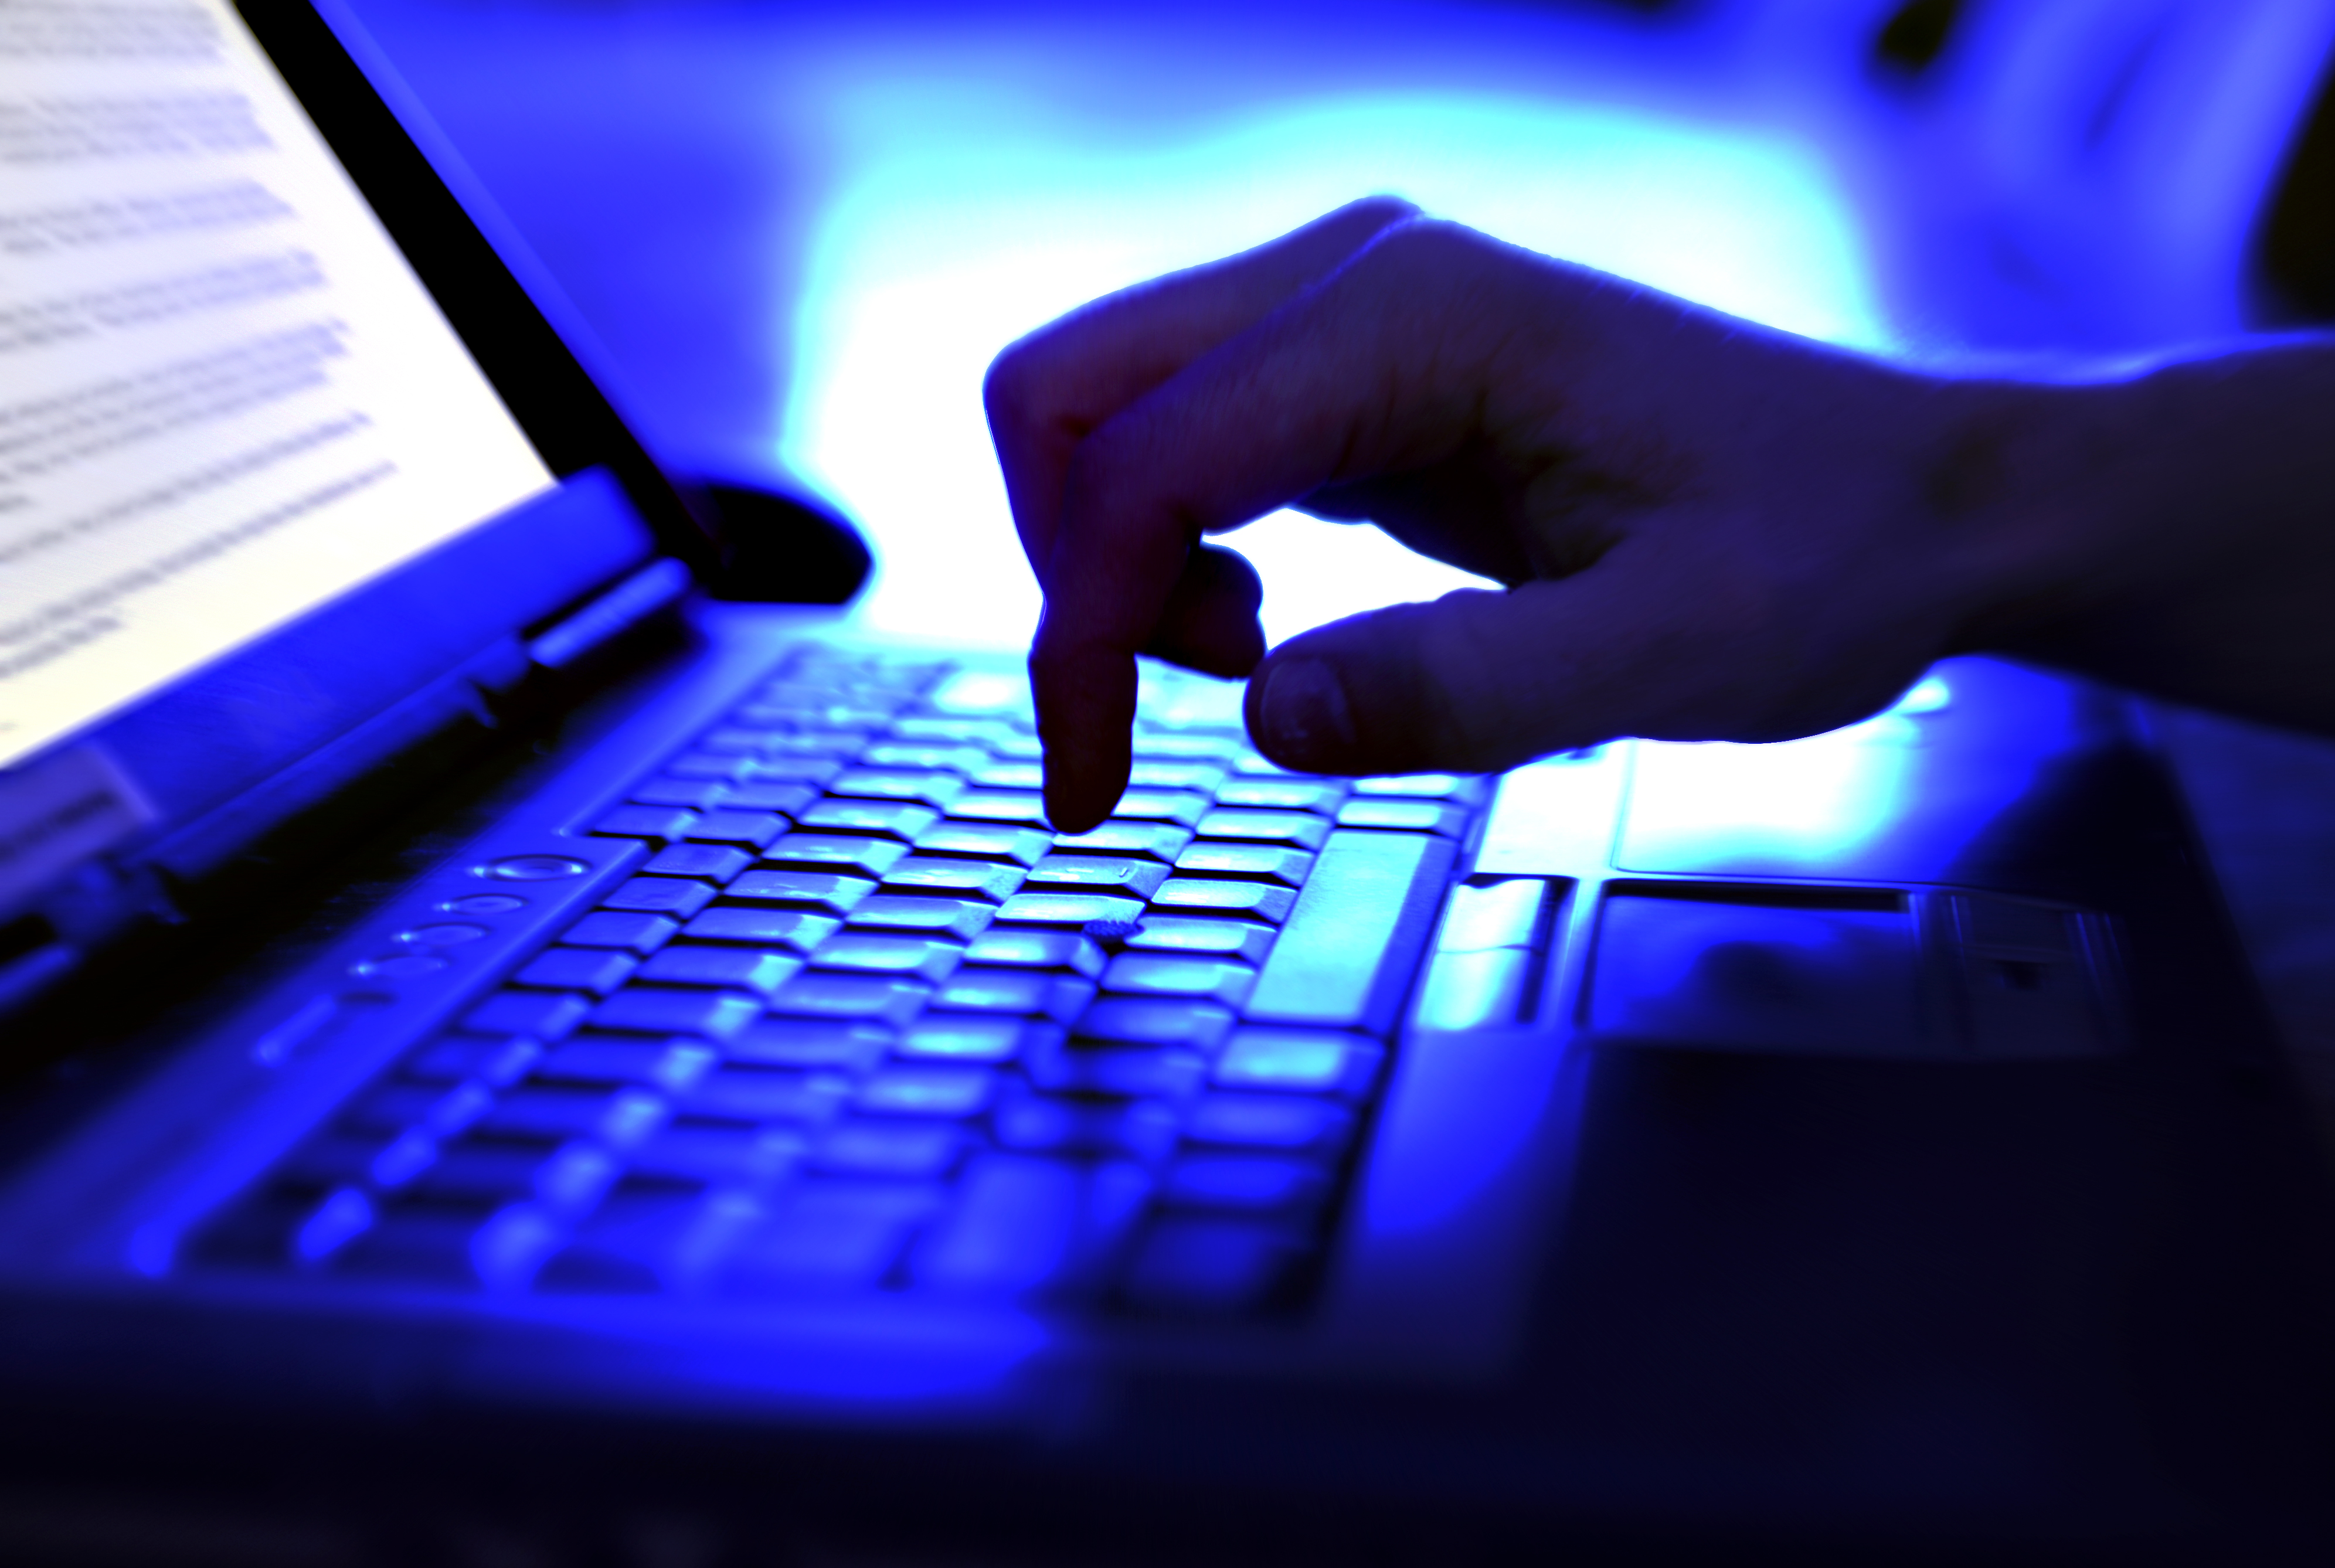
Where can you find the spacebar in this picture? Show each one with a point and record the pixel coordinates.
(1346, 956)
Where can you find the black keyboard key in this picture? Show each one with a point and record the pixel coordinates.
(597, 970)
(932, 874)
(1071, 909)
(931, 915)
(1203, 777)
(1300, 1062)
(1165, 1074)
(1268, 862)
(825, 892)
(1283, 794)
(736, 968)
(804, 1248)
(540, 1015)
(1346, 958)
(938, 790)
(1024, 1225)
(943, 1091)
(1122, 874)
(717, 767)
(1404, 815)
(1160, 841)
(668, 1065)
(714, 1014)
(634, 933)
(714, 863)
(902, 1150)
(791, 930)
(752, 1094)
(1177, 974)
(1260, 1184)
(1467, 789)
(1139, 1130)
(1033, 949)
(1244, 940)
(658, 1243)
(331, 1160)
(887, 818)
(986, 841)
(453, 1246)
(567, 1179)
(876, 953)
(925, 757)
(669, 895)
(1287, 1124)
(1026, 992)
(873, 998)
(714, 1155)
(1010, 775)
(837, 853)
(550, 1114)
(493, 1062)
(690, 794)
(770, 795)
(1220, 897)
(1298, 828)
(657, 823)
(804, 1043)
(1182, 807)
(977, 733)
(809, 772)
(1144, 1021)
(1010, 806)
(972, 1037)
(392, 1110)
(739, 828)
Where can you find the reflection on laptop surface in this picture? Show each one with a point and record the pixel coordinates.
(1659, 1146)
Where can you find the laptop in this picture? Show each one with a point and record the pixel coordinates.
(514, 1058)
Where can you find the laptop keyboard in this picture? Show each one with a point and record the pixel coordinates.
(863, 1022)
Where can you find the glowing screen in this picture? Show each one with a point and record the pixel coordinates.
(224, 396)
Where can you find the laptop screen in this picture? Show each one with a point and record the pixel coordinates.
(225, 397)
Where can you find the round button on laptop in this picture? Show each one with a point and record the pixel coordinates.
(402, 965)
(446, 935)
(484, 903)
(537, 868)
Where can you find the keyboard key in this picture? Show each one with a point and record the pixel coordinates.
(633, 933)
(559, 1114)
(986, 841)
(1269, 861)
(667, 1065)
(1502, 913)
(790, 929)
(756, 1094)
(670, 896)
(877, 954)
(1182, 807)
(715, 863)
(954, 917)
(836, 852)
(331, 1160)
(597, 970)
(1285, 794)
(1078, 909)
(926, 1091)
(1146, 1021)
(743, 829)
(1160, 841)
(1177, 974)
(1465, 788)
(979, 879)
(798, 1250)
(972, 1037)
(976, 733)
(1483, 990)
(667, 1244)
(394, 1109)
(1163, 1074)
(1009, 775)
(1139, 1130)
(1220, 897)
(1215, 1267)
(925, 758)
(541, 1015)
(493, 1062)
(1346, 956)
(770, 795)
(454, 1247)
(567, 1179)
(260, 1231)
(803, 1043)
(934, 789)
(999, 806)
(714, 1014)
(1234, 939)
(806, 772)
(1154, 743)
(1024, 1225)
(690, 794)
(1300, 1061)
(1023, 992)
(1404, 815)
(890, 820)
(874, 998)
(1029, 949)
(819, 890)
(1202, 777)
(1243, 1184)
(702, 766)
(657, 823)
(1117, 874)
(738, 968)
(906, 1150)
(707, 1154)
(1292, 827)
(1280, 1123)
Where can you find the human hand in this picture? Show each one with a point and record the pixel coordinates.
(1708, 532)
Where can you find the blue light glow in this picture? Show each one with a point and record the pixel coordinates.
(964, 218)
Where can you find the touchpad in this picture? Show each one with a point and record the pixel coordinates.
(1755, 969)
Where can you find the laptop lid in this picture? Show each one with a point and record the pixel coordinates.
(294, 470)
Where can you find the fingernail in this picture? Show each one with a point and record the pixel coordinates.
(1305, 713)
